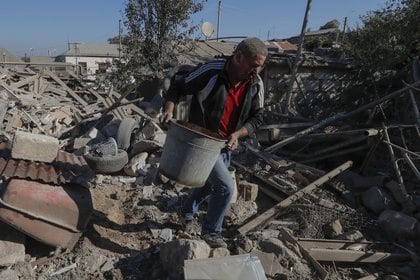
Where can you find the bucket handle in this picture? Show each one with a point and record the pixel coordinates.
(73, 229)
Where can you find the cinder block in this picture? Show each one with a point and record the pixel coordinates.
(35, 147)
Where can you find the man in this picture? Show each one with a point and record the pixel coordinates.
(228, 99)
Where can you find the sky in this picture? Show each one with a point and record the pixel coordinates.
(46, 27)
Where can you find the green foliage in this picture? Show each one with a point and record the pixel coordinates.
(310, 44)
(157, 31)
(331, 24)
(388, 37)
(326, 40)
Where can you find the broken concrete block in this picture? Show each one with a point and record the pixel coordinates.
(240, 211)
(166, 234)
(352, 235)
(94, 262)
(8, 274)
(397, 224)
(378, 200)
(273, 245)
(247, 190)
(12, 248)
(80, 142)
(144, 146)
(173, 254)
(356, 182)
(333, 229)
(35, 147)
(401, 196)
(92, 133)
(269, 261)
(219, 252)
(136, 162)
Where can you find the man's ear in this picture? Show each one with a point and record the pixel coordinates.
(237, 56)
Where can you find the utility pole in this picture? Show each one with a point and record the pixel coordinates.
(76, 55)
(297, 59)
(344, 29)
(77, 63)
(219, 10)
(119, 38)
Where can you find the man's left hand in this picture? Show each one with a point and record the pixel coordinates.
(233, 142)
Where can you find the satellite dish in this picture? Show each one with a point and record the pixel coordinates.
(207, 29)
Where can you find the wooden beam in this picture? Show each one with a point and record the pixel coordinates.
(69, 90)
(310, 243)
(26, 81)
(267, 215)
(336, 255)
(286, 236)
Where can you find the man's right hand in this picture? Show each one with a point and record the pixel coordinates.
(167, 115)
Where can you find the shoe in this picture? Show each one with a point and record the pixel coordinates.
(214, 240)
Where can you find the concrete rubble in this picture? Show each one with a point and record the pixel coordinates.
(318, 197)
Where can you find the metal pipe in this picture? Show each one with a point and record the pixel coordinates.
(219, 8)
(415, 108)
(393, 160)
(339, 145)
(343, 152)
(297, 57)
(412, 165)
(402, 149)
(302, 133)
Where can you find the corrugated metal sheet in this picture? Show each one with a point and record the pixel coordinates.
(67, 168)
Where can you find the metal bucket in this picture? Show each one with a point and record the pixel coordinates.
(189, 153)
(54, 215)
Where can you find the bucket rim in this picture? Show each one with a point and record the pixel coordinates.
(220, 139)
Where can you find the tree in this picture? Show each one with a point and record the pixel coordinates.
(331, 24)
(158, 30)
(381, 49)
(388, 37)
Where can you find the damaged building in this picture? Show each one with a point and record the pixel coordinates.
(330, 193)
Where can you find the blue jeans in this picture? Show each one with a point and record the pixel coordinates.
(219, 186)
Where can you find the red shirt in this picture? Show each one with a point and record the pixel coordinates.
(234, 100)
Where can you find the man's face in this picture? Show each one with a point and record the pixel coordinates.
(249, 65)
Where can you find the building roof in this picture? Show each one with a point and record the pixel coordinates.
(6, 56)
(321, 32)
(92, 49)
(42, 59)
(207, 50)
(282, 46)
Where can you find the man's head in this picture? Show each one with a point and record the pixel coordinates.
(252, 46)
(249, 57)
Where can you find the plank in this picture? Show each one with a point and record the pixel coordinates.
(267, 215)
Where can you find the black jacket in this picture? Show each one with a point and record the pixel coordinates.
(207, 85)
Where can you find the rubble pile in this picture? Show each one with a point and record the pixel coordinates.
(316, 199)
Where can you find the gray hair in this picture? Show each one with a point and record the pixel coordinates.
(251, 47)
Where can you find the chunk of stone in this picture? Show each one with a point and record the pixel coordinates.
(377, 200)
(35, 147)
(397, 224)
(12, 248)
(173, 253)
